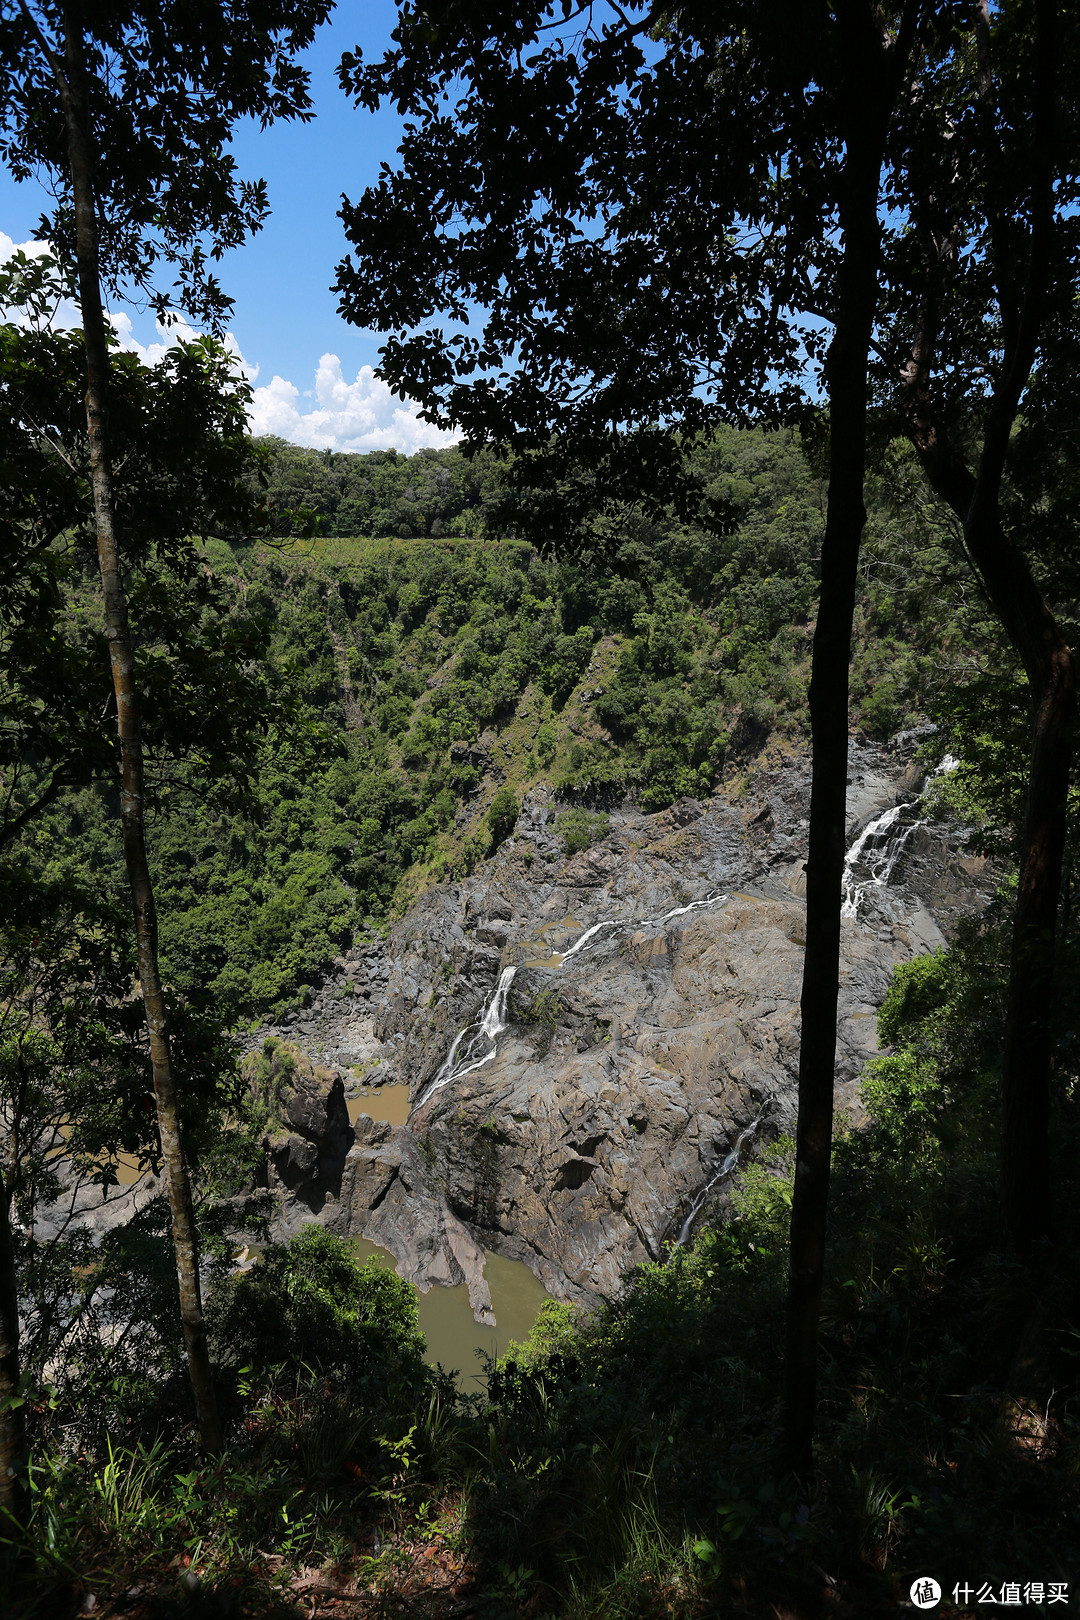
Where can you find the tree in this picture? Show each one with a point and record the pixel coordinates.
(146, 96)
(639, 207)
(74, 1082)
(503, 812)
(190, 468)
(180, 431)
(975, 364)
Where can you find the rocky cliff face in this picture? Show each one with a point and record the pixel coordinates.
(308, 1134)
(646, 1016)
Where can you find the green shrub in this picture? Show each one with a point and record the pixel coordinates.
(310, 1301)
(502, 815)
(543, 1008)
(547, 743)
(579, 830)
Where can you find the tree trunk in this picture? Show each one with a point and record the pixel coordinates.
(71, 77)
(12, 1423)
(1025, 1142)
(1050, 667)
(828, 820)
(1030, 624)
(873, 75)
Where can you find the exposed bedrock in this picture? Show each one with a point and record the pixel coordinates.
(626, 1060)
(308, 1134)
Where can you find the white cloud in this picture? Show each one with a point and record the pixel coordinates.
(66, 313)
(9, 247)
(361, 415)
(178, 330)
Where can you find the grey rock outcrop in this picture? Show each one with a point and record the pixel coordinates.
(308, 1135)
(652, 1016)
(388, 1196)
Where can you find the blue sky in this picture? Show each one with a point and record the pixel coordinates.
(285, 321)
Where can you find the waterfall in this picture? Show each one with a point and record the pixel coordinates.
(639, 922)
(727, 1165)
(584, 940)
(680, 911)
(491, 1024)
(493, 1019)
(876, 851)
(881, 843)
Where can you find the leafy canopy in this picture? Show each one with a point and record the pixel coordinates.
(180, 433)
(624, 215)
(166, 83)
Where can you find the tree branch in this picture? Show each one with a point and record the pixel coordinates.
(1018, 364)
(10, 830)
(50, 55)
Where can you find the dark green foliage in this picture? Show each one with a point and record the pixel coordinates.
(933, 1086)
(986, 724)
(180, 431)
(383, 494)
(72, 1044)
(334, 1420)
(267, 1071)
(503, 812)
(309, 1301)
(99, 1314)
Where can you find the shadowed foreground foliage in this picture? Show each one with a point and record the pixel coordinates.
(620, 1464)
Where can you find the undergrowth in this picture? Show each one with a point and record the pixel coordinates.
(621, 1463)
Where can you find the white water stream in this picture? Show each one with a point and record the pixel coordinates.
(727, 1166)
(492, 1023)
(493, 1020)
(872, 858)
(870, 861)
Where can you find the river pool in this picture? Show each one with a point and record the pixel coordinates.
(446, 1319)
(453, 1337)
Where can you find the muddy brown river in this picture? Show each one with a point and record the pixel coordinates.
(385, 1102)
(454, 1337)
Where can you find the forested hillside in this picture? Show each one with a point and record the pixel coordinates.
(630, 855)
(413, 688)
(435, 676)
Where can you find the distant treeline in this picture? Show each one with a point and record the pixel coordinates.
(384, 493)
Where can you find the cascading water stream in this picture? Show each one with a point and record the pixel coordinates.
(493, 1019)
(584, 940)
(727, 1166)
(491, 1025)
(876, 851)
(880, 845)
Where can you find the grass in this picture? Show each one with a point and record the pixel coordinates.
(616, 1468)
(337, 551)
(152, 1529)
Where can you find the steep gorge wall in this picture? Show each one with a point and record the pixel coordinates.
(627, 1068)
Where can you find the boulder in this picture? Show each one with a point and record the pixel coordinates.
(387, 1197)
